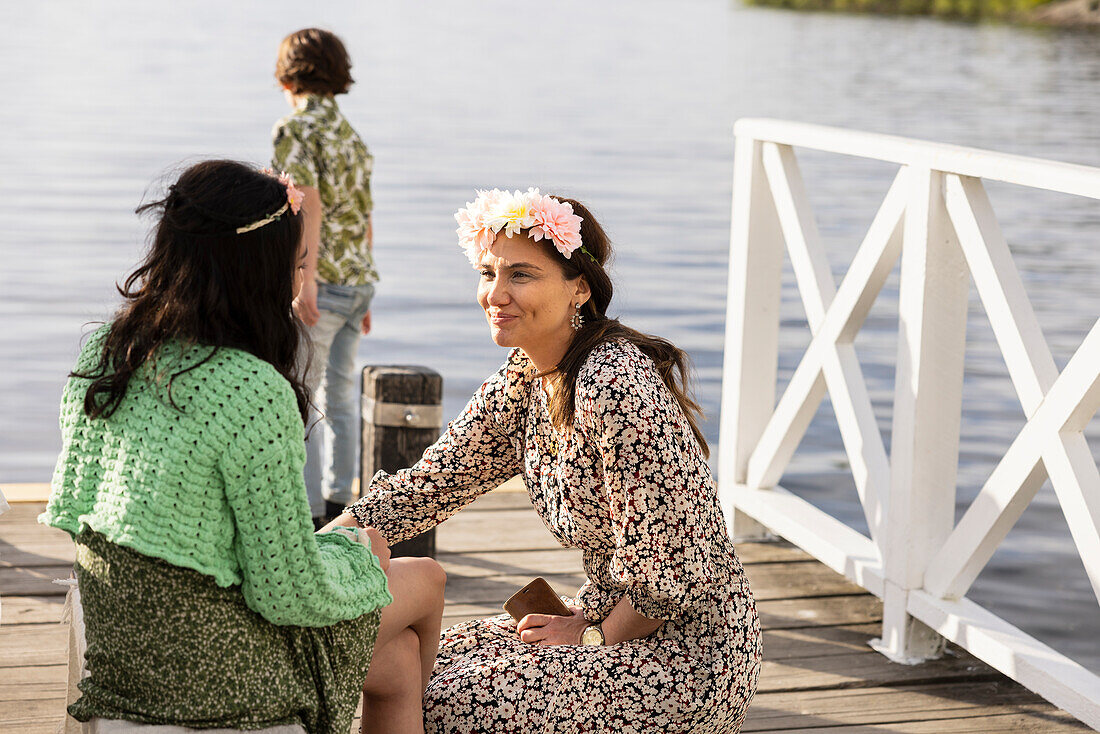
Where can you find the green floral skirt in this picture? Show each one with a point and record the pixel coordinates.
(166, 645)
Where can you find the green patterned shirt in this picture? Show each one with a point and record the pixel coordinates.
(317, 146)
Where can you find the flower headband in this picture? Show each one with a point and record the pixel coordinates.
(541, 215)
(294, 198)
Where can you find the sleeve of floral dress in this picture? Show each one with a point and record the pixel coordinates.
(655, 477)
(482, 448)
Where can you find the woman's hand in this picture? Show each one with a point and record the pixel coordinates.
(379, 546)
(378, 543)
(343, 520)
(552, 629)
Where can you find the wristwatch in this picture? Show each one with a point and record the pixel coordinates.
(593, 635)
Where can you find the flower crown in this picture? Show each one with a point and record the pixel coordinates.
(541, 215)
(294, 198)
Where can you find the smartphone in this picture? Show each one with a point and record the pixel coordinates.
(537, 597)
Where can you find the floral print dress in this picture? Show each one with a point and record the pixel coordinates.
(630, 487)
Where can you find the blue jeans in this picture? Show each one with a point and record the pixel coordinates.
(332, 446)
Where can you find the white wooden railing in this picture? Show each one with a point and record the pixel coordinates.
(937, 218)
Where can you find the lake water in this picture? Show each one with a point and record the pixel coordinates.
(628, 107)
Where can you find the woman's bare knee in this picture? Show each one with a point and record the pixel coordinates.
(433, 572)
(427, 570)
(418, 580)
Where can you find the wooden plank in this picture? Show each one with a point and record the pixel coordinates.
(830, 610)
(24, 513)
(23, 542)
(796, 579)
(33, 644)
(519, 529)
(512, 495)
(18, 531)
(32, 682)
(492, 563)
(34, 581)
(26, 492)
(30, 554)
(788, 710)
(770, 552)
(35, 716)
(788, 644)
(1052, 722)
(867, 669)
(30, 609)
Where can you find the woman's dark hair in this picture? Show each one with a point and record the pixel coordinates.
(673, 363)
(205, 284)
(313, 61)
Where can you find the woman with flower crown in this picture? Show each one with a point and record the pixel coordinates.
(208, 601)
(596, 416)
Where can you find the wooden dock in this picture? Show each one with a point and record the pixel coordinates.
(819, 673)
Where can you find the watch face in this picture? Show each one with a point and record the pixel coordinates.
(592, 636)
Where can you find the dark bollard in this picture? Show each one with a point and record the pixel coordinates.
(402, 416)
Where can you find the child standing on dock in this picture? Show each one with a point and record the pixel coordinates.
(326, 157)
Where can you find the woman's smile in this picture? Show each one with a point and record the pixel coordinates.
(501, 318)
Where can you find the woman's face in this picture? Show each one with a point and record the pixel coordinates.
(528, 301)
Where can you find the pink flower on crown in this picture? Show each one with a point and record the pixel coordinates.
(294, 195)
(556, 221)
(475, 230)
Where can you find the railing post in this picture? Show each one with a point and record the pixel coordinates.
(402, 416)
(932, 308)
(752, 328)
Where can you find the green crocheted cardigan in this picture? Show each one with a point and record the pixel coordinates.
(207, 475)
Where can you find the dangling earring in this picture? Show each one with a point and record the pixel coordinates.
(577, 320)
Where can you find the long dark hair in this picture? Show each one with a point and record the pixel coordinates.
(672, 363)
(205, 284)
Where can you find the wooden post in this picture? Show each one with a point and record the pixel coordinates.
(752, 329)
(402, 416)
(932, 304)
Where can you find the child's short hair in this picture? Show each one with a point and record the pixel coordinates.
(313, 61)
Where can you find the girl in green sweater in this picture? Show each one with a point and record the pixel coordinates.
(208, 600)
